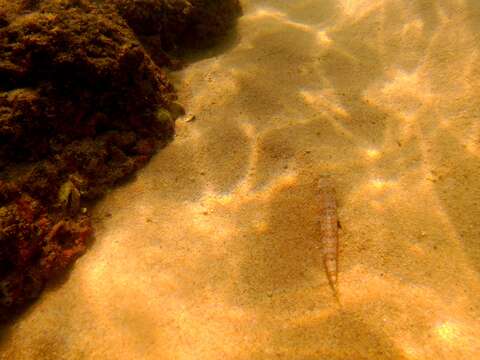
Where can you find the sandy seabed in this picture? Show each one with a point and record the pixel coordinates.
(212, 251)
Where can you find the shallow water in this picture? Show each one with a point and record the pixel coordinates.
(212, 251)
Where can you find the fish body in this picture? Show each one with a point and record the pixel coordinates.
(329, 230)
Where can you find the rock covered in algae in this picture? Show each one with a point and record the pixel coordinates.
(167, 25)
(69, 69)
(82, 106)
(191, 23)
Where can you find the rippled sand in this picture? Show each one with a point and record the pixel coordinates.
(212, 252)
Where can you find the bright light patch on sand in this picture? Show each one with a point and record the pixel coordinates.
(324, 100)
(472, 147)
(298, 25)
(459, 335)
(289, 179)
(248, 129)
(378, 184)
(222, 199)
(372, 154)
(323, 38)
(262, 13)
(261, 226)
(448, 331)
(356, 8)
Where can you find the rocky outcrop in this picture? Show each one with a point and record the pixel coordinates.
(82, 106)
